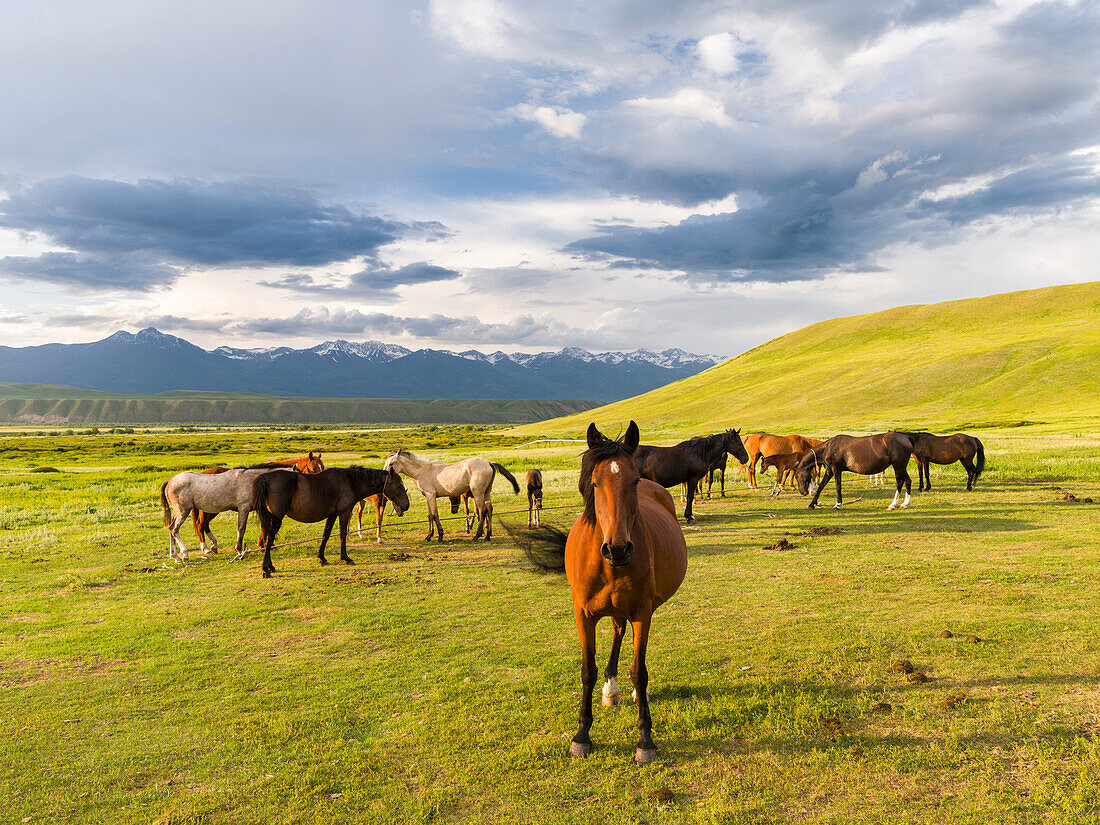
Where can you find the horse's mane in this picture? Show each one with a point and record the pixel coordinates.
(266, 465)
(701, 445)
(412, 455)
(589, 459)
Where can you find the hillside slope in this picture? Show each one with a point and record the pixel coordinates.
(1020, 356)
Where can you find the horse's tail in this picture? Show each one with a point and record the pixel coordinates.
(500, 469)
(979, 463)
(164, 504)
(269, 522)
(543, 546)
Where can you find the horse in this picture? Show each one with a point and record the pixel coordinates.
(687, 462)
(784, 464)
(328, 496)
(200, 520)
(759, 445)
(379, 502)
(435, 478)
(534, 497)
(624, 557)
(947, 449)
(211, 493)
(865, 455)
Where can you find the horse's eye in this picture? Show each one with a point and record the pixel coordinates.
(638, 479)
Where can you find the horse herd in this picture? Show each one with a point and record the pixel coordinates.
(624, 556)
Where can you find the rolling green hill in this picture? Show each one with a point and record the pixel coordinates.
(23, 403)
(1031, 356)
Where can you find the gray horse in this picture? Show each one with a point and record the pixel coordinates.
(187, 491)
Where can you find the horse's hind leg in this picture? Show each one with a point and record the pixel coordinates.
(345, 519)
(586, 626)
(359, 521)
(639, 675)
(379, 509)
(839, 497)
(692, 485)
(971, 472)
(174, 536)
(331, 520)
(610, 694)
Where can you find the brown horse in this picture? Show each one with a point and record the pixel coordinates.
(534, 497)
(865, 455)
(784, 464)
(947, 449)
(326, 496)
(759, 445)
(379, 502)
(201, 520)
(624, 557)
(717, 466)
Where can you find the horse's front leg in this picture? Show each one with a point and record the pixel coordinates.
(610, 693)
(359, 519)
(901, 477)
(821, 486)
(839, 497)
(345, 521)
(379, 509)
(639, 675)
(586, 626)
(433, 517)
(242, 523)
(692, 485)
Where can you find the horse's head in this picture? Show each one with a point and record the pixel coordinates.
(734, 446)
(311, 463)
(394, 491)
(805, 474)
(609, 485)
(393, 458)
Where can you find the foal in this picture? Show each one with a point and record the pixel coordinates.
(534, 497)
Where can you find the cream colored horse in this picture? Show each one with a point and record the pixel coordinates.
(435, 479)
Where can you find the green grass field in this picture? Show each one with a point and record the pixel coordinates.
(440, 683)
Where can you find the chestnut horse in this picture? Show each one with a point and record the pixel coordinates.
(758, 445)
(200, 520)
(947, 449)
(624, 557)
(865, 455)
(327, 496)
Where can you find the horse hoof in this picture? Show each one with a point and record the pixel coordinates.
(609, 700)
(323, 562)
(348, 561)
(643, 756)
(267, 574)
(580, 750)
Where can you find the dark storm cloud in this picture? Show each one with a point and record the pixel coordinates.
(138, 236)
(378, 284)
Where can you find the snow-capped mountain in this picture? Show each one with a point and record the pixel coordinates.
(150, 361)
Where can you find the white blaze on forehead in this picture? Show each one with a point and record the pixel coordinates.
(614, 466)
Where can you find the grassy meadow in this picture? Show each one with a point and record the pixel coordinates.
(440, 683)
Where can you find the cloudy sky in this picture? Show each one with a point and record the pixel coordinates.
(525, 175)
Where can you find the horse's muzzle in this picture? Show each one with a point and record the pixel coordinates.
(617, 555)
(399, 510)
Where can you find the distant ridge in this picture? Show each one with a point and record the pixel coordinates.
(150, 361)
(1030, 356)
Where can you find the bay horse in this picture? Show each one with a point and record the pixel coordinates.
(624, 557)
(211, 493)
(534, 497)
(435, 478)
(947, 449)
(717, 466)
(865, 455)
(325, 496)
(200, 519)
(687, 462)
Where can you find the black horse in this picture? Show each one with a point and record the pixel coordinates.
(867, 455)
(324, 496)
(688, 461)
(947, 449)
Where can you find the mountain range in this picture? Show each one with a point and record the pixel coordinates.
(150, 362)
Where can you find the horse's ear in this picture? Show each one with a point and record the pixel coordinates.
(595, 437)
(311, 456)
(632, 437)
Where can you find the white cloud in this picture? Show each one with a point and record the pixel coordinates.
(559, 122)
(718, 53)
(687, 103)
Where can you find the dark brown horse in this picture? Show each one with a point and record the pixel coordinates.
(534, 497)
(624, 557)
(717, 466)
(326, 496)
(200, 520)
(866, 455)
(947, 449)
(687, 462)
